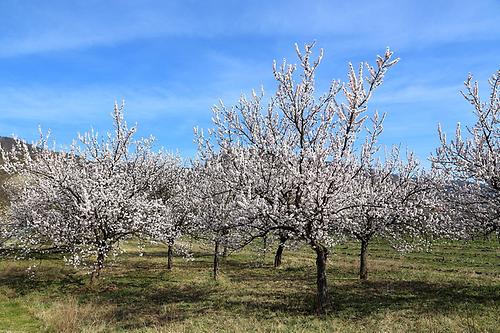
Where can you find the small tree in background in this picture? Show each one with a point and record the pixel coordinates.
(391, 199)
(175, 190)
(218, 218)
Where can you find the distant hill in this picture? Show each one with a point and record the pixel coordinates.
(7, 144)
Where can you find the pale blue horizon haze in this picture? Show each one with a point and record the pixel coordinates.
(64, 63)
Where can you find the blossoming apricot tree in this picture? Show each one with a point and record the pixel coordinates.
(472, 162)
(86, 199)
(297, 152)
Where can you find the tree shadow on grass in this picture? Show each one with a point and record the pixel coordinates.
(361, 299)
(136, 307)
(144, 294)
(356, 300)
(25, 281)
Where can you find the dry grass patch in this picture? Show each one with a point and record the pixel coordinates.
(70, 316)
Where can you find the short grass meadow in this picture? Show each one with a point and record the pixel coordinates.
(453, 288)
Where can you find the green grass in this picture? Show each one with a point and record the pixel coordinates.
(454, 288)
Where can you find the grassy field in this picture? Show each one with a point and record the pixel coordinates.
(455, 288)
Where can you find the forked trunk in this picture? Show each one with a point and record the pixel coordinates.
(322, 290)
(363, 268)
(216, 260)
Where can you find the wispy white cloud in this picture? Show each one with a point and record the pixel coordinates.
(82, 104)
(158, 111)
(30, 27)
(237, 43)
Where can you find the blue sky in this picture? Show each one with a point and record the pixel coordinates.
(64, 63)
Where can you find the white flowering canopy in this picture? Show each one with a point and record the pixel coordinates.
(296, 153)
(471, 161)
(87, 198)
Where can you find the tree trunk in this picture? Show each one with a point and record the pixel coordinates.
(102, 252)
(264, 243)
(279, 251)
(225, 249)
(363, 268)
(216, 260)
(170, 255)
(322, 290)
(100, 260)
(277, 257)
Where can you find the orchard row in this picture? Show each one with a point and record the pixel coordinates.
(299, 166)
